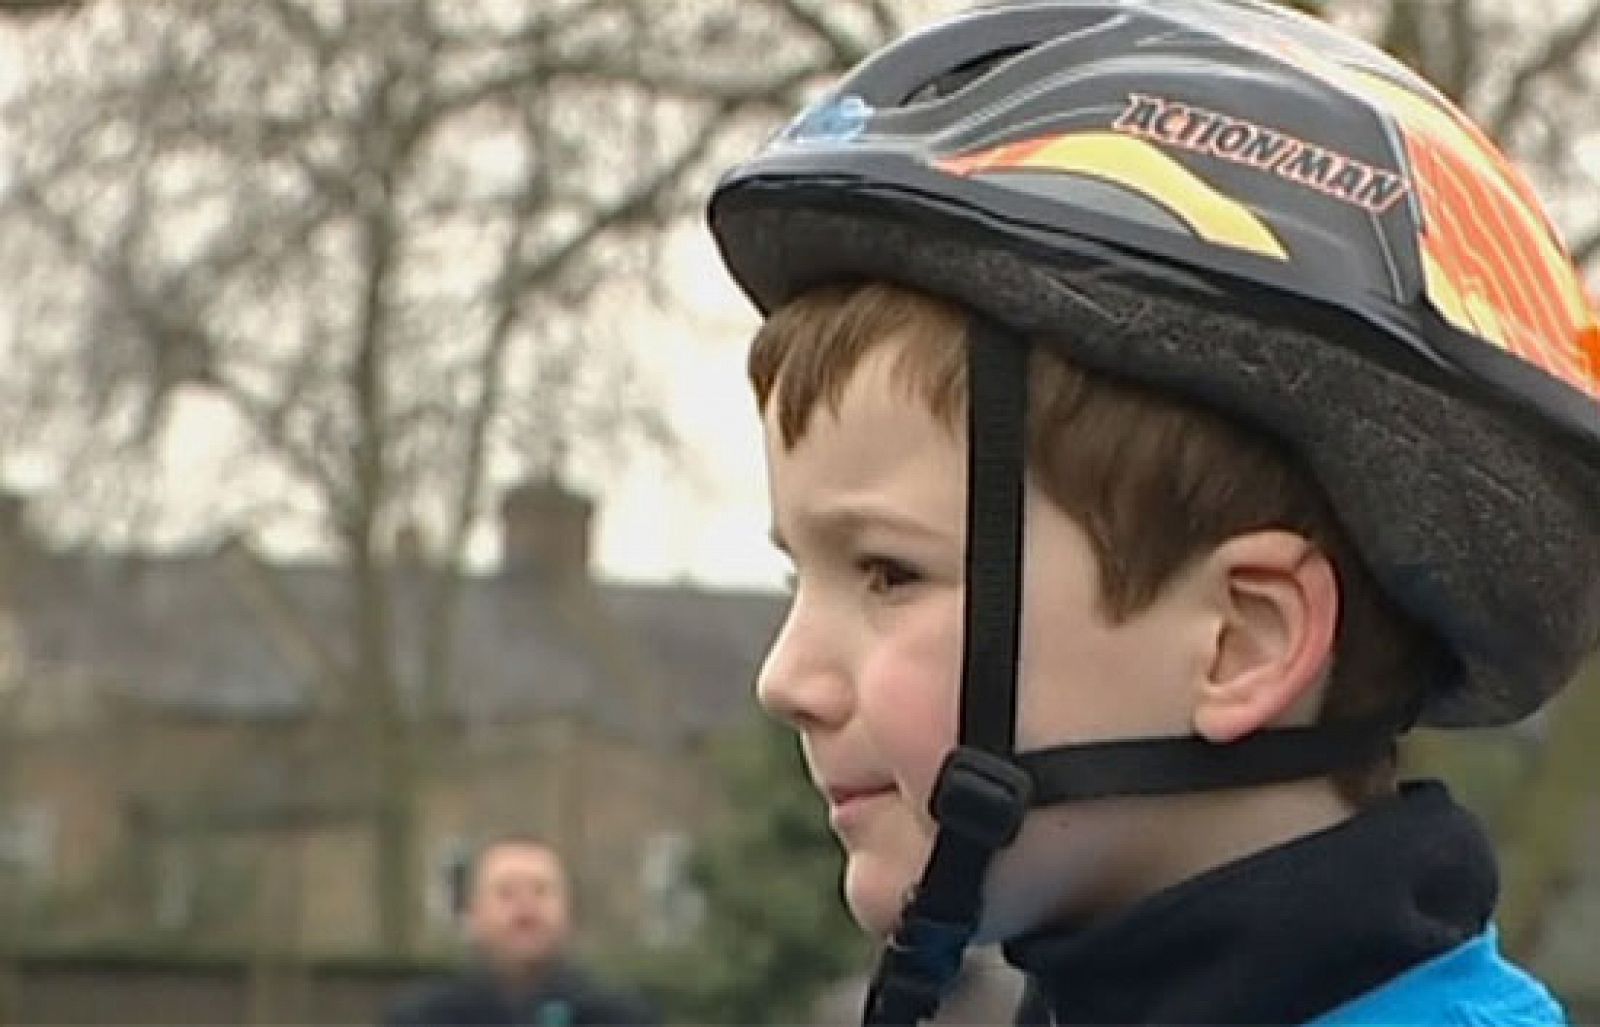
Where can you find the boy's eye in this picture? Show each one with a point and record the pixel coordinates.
(885, 575)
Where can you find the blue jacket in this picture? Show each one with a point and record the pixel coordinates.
(1470, 985)
(1394, 906)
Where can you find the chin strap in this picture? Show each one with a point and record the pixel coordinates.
(981, 795)
(985, 789)
(981, 799)
(1173, 766)
(979, 804)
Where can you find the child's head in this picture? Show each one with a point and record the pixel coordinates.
(1299, 445)
(1131, 490)
(1153, 481)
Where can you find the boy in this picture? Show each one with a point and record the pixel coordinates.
(1146, 469)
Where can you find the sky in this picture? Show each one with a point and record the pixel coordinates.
(701, 518)
(706, 522)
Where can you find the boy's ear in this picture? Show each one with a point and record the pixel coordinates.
(1278, 604)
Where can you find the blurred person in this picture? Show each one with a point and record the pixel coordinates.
(516, 909)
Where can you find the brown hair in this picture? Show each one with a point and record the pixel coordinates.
(1153, 481)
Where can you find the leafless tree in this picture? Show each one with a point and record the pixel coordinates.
(376, 232)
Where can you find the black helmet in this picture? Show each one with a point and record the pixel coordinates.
(1422, 341)
(1235, 203)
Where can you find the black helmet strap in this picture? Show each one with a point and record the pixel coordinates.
(981, 795)
(1172, 766)
(985, 788)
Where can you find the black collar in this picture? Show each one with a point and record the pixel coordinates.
(1286, 934)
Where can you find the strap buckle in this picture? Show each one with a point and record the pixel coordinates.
(981, 797)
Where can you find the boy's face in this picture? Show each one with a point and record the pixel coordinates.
(870, 506)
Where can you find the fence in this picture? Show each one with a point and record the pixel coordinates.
(141, 988)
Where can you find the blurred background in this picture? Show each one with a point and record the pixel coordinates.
(377, 473)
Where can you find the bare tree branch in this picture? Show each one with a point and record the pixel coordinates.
(885, 19)
(639, 203)
(844, 50)
(1402, 34)
(1557, 53)
(299, 23)
(1458, 71)
(307, 460)
(1586, 251)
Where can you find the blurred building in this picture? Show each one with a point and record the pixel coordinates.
(176, 762)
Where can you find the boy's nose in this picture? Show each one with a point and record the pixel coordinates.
(802, 680)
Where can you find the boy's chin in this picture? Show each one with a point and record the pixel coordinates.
(876, 891)
(875, 894)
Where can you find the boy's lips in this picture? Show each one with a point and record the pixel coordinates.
(839, 795)
(848, 803)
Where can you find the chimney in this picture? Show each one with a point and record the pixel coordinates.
(411, 550)
(13, 510)
(545, 530)
(17, 546)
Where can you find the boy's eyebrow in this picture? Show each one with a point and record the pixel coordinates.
(846, 519)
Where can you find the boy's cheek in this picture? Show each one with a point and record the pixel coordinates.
(914, 734)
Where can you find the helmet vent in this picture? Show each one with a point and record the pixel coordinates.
(958, 78)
